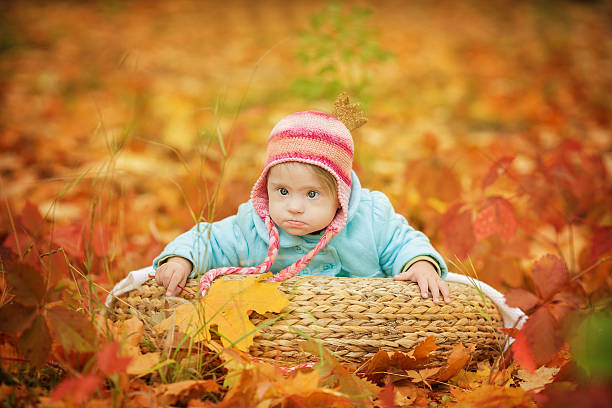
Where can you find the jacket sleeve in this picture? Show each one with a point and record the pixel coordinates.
(397, 242)
(209, 245)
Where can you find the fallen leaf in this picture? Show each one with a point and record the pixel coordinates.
(492, 396)
(179, 393)
(227, 305)
(130, 332)
(457, 359)
(537, 379)
(338, 376)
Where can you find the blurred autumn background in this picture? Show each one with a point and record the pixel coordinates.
(122, 122)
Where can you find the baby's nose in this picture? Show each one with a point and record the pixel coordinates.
(296, 206)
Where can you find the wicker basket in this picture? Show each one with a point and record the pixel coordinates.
(353, 317)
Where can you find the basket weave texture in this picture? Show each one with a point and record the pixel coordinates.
(353, 317)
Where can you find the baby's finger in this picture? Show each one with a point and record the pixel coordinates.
(404, 276)
(173, 288)
(160, 275)
(434, 289)
(423, 285)
(445, 291)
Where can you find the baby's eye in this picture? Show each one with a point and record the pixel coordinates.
(312, 194)
(283, 191)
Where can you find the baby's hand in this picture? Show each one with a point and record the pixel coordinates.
(172, 273)
(427, 277)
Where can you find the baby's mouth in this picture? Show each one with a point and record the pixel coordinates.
(295, 223)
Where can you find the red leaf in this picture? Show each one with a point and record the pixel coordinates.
(35, 342)
(601, 242)
(522, 353)
(541, 335)
(70, 237)
(56, 267)
(31, 218)
(521, 298)
(549, 274)
(16, 317)
(506, 221)
(78, 389)
(386, 396)
(101, 240)
(26, 282)
(497, 169)
(496, 217)
(457, 231)
(485, 223)
(73, 330)
(109, 361)
(18, 243)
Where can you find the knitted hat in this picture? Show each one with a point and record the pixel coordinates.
(310, 137)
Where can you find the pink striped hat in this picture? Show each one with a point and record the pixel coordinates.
(308, 137)
(315, 138)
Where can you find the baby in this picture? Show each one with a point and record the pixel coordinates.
(308, 214)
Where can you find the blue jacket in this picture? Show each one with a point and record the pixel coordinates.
(376, 242)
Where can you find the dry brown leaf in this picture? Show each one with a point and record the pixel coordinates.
(130, 333)
(183, 391)
(537, 379)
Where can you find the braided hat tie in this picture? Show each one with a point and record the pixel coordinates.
(208, 278)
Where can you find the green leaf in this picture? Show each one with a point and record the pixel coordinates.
(72, 330)
(27, 283)
(592, 345)
(16, 317)
(35, 342)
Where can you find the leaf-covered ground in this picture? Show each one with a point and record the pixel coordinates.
(122, 122)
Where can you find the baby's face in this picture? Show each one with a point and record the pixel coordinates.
(299, 200)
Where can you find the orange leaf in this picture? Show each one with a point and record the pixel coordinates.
(492, 396)
(424, 348)
(336, 375)
(457, 359)
(131, 332)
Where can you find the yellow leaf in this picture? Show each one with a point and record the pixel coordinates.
(226, 305)
(228, 302)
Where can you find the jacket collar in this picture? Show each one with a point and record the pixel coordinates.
(288, 240)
